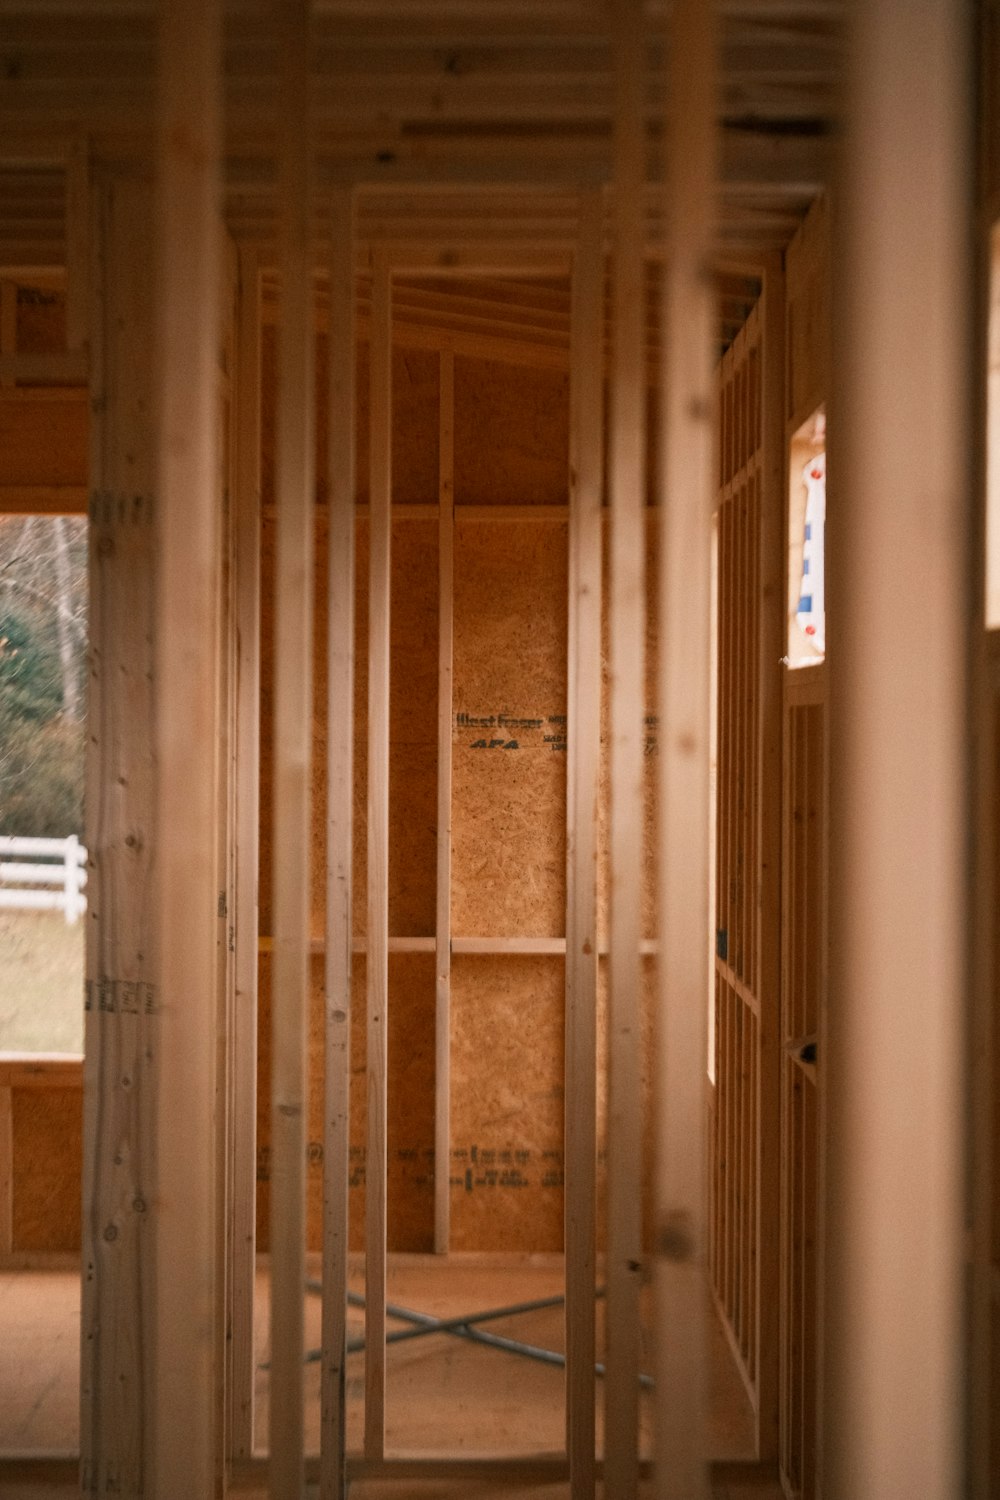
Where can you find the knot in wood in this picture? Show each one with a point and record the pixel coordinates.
(676, 1239)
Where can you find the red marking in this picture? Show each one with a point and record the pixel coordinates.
(815, 473)
(810, 630)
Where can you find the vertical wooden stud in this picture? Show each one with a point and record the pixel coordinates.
(446, 634)
(6, 1171)
(627, 708)
(225, 842)
(686, 504)
(77, 243)
(771, 593)
(121, 1046)
(583, 733)
(377, 962)
(186, 1345)
(293, 705)
(898, 542)
(340, 853)
(243, 1204)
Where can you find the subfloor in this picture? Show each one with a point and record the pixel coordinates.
(444, 1394)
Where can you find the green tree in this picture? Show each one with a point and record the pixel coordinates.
(43, 599)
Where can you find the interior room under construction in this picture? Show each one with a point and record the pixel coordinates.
(541, 859)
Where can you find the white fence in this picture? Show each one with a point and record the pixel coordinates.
(49, 875)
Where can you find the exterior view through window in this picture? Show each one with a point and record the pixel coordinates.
(806, 535)
(43, 634)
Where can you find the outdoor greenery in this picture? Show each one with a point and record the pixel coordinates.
(43, 625)
(43, 636)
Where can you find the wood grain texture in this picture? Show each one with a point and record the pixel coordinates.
(377, 927)
(446, 640)
(247, 521)
(627, 456)
(686, 504)
(121, 1032)
(773, 555)
(6, 1170)
(293, 710)
(339, 848)
(583, 714)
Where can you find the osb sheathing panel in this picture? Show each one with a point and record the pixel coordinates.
(412, 727)
(48, 1136)
(43, 433)
(43, 439)
(507, 1103)
(414, 422)
(511, 434)
(410, 1152)
(41, 320)
(508, 743)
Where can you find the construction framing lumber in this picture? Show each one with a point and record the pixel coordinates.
(446, 637)
(627, 442)
(246, 623)
(772, 595)
(895, 1097)
(377, 961)
(77, 243)
(187, 1341)
(121, 1047)
(187, 1344)
(6, 1170)
(293, 701)
(685, 592)
(586, 479)
(340, 851)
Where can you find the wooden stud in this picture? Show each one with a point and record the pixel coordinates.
(340, 850)
(77, 243)
(293, 707)
(121, 1050)
(895, 1193)
(6, 1171)
(627, 709)
(186, 1349)
(683, 693)
(243, 1165)
(583, 734)
(772, 589)
(377, 963)
(446, 634)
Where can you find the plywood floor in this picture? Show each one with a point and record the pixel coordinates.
(444, 1395)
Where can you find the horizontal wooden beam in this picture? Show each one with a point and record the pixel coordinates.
(43, 499)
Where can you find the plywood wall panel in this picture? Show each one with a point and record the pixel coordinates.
(43, 438)
(414, 434)
(507, 1103)
(411, 1104)
(41, 320)
(47, 1156)
(413, 726)
(509, 762)
(511, 434)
